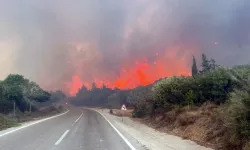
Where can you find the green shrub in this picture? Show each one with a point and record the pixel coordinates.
(171, 91)
(141, 99)
(6, 106)
(236, 117)
(6, 122)
(189, 96)
(214, 86)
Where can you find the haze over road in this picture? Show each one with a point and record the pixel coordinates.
(79, 129)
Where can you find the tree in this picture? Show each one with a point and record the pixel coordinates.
(13, 90)
(14, 79)
(194, 68)
(21, 92)
(35, 92)
(15, 95)
(212, 64)
(141, 99)
(94, 86)
(205, 64)
(6, 106)
(92, 97)
(113, 101)
(57, 95)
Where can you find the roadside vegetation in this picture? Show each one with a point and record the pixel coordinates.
(211, 107)
(6, 122)
(21, 100)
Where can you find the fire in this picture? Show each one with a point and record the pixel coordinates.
(141, 72)
(75, 85)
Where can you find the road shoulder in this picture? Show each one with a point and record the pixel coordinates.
(144, 137)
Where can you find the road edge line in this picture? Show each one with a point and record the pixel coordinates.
(36, 122)
(117, 131)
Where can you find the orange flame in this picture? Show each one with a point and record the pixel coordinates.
(143, 72)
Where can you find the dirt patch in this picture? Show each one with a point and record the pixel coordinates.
(125, 113)
(199, 124)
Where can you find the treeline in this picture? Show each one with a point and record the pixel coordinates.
(21, 92)
(102, 97)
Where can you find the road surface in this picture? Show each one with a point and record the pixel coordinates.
(79, 129)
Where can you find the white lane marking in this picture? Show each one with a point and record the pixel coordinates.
(126, 141)
(61, 138)
(33, 124)
(78, 118)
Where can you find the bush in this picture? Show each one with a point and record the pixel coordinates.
(6, 122)
(141, 99)
(214, 86)
(171, 91)
(60, 107)
(6, 106)
(189, 96)
(236, 117)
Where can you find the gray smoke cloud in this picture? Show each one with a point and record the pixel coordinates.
(51, 41)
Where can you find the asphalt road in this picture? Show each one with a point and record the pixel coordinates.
(79, 129)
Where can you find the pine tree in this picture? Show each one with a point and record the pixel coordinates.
(212, 64)
(94, 87)
(194, 67)
(205, 64)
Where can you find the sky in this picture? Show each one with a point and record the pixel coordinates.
(64, 44)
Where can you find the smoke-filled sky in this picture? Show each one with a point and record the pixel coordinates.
(63, 44)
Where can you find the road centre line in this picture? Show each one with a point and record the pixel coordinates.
(39, 121)
(61, 138)
(79, 117)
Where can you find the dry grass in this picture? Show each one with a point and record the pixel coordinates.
(46, 112)
(125, 113)
(187, 118)
(199, 124)
(247, 146)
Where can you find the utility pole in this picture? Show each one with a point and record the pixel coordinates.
(14, 105)
(30, 106)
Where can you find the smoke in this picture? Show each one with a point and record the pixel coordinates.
(64, 44)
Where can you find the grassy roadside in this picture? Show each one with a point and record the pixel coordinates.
(46, 112)
(7, 123)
